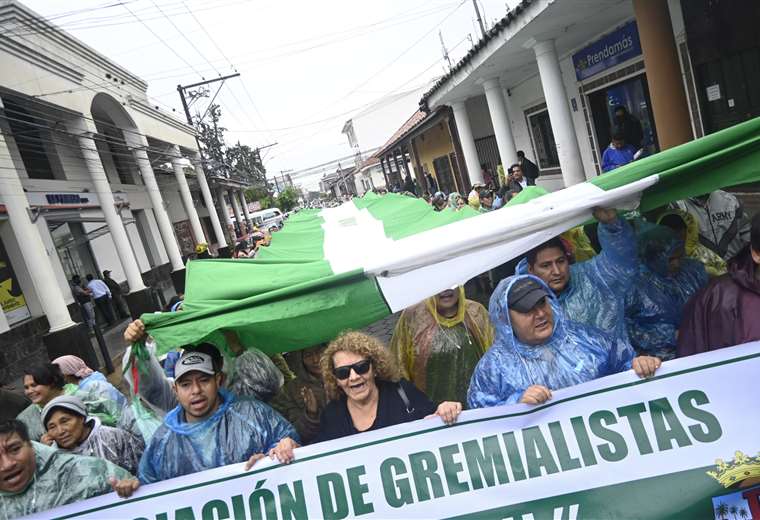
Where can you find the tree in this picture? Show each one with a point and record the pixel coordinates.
(733, 510)
(743, 513)
(211, 137)
(721, 511)
(245, 163)
(255, 193)
(288, 199)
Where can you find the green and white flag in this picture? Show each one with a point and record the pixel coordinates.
(346, 267)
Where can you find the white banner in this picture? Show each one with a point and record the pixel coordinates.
(617, 447)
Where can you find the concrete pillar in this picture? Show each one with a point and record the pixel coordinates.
(159, 209)
(200, 174)
(559, 111)
(187, 198)
(666, 89)
(246, 213)
(497, 107)
(236, 207)
(112, 217)
(30, 243)
(468, 142)
(226, 211)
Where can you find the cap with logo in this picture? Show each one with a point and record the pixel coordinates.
(190, 361)
(525, 294)
(69, 402)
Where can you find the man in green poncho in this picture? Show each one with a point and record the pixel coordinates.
(35, 477)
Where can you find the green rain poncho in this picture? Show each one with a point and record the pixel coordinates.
(439, 354)
(60, 478)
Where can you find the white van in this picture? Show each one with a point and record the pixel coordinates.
(268, 218)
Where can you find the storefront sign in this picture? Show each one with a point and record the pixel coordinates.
(608, 51)
(12, 299)
(83, 200)
(617, 447)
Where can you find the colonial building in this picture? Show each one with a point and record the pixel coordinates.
(93, 177)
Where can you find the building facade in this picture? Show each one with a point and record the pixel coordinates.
(547, 78)
(95, 177)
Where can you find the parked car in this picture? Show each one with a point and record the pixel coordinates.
(271, 218)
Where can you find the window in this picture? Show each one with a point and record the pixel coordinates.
(543, 139)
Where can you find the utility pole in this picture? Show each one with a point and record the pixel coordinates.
(445, 52)
(480, 18)
(181, 89)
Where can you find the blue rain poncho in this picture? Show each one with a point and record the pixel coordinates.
(574, 354)
(657, 298)
(596, 292)
(240, 427)
(96, 384)
(59, 478)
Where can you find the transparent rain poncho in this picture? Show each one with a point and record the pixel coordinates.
(656, 300)
(255, 376)
(240, 427)
(97, 385)
(596, 292)
(60, 478)
(574, 354)
(121, 447)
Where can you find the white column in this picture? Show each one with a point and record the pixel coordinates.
(159, 209)
(209, 201)
(236, 206)
(497, 107)
(245, 208)
(30, 243)
(187, 198)
(226, 211)
(559, 111)
(108, 207)
(467, 141)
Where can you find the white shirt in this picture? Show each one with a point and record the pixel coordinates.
(98, 288)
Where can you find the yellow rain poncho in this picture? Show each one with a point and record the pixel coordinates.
(439, 354)
(714, 264)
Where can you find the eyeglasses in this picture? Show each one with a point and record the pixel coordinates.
(360, 367)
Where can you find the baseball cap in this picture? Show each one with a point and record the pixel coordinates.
(69, 402)
(193, 360)
(525, 294)
(106, 272)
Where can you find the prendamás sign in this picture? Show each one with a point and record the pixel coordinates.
(609, 50)
(618, 447)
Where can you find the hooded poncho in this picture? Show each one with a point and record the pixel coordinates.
(60, 478)
(239, 428)
(573, 354)
(438, 354)
(112, 444)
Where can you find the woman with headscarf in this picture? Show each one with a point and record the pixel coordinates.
(456, 201)
(439, 341)
(686, 227)
(366, 391)
(70, 427)
(76, 372)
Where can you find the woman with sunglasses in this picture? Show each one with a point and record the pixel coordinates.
(366, 392)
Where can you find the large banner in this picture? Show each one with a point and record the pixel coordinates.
(617, 447)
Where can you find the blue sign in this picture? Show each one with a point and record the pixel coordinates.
(609, 50)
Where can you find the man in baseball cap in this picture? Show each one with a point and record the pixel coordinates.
(538, 349)
(212, 427)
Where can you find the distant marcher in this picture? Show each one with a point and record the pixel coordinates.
(101, 295)
(302, 399)
(723, 224)
(83, 297)
(630, 127)
(35, 477)
(727, 311)
(67, 423)
(618, 153)
(516, 181)
(431, 182)
(116, 295)
(439, 201)
(486, 200)
(366, 392)
(438, 342)
(89, 381)
(529, 168)
(408, 184)
(42, 384)
(456, 201)
(685, 226)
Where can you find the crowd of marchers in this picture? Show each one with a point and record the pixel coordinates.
(626, 293)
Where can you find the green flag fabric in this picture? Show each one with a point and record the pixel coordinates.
(346, 267)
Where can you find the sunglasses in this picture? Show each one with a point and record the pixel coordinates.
(361, 367)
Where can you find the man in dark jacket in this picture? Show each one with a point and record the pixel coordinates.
(529, 168)
(725, 313)
(116, 295)
(633, 134)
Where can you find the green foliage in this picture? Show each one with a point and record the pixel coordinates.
(255, 193)
(288, 199)
(245, 163)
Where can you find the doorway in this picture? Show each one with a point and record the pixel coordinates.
(73, 247)
(633, 94)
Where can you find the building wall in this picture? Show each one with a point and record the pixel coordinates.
(433, 143)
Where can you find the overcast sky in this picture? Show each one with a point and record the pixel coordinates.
(301, 61)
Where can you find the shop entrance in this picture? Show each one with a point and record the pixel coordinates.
(633, 94)
(73, 247)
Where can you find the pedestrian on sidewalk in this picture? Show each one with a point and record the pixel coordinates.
(101, 294)
(116, 295)
(83, 297)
